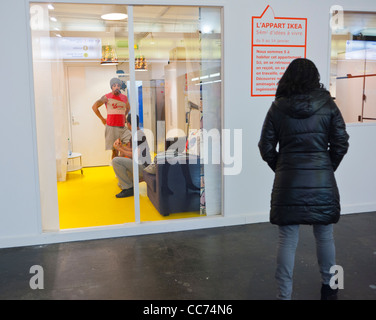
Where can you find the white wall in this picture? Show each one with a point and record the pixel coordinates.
(19, 188)
(246, 196)
(249, 193)
(356, 177)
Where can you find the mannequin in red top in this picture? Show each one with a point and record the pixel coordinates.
(117, 106)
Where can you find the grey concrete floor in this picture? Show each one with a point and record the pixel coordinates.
(229, 263)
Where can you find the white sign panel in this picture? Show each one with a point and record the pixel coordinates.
(276, 41)
(71, 48)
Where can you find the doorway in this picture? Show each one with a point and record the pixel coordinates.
(87, 84)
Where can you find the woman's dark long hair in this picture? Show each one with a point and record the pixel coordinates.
(300, 77)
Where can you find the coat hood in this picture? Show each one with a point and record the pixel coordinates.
(302, 106)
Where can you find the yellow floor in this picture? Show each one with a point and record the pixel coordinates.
(88, 200)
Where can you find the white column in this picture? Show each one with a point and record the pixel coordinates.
(134, 111)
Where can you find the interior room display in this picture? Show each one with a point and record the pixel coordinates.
(178, 95)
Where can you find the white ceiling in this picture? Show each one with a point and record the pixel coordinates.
(82, 17)
(157, 29)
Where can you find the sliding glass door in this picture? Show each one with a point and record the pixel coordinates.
(178, 78)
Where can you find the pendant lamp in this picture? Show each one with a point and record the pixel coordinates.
(140, 63)
(109, 56)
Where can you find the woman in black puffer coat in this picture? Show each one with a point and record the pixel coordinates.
(311, 136)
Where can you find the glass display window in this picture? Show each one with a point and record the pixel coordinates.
(353, 66)
(78, 49)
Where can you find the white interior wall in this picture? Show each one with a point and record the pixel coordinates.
(61, 128)
(44, 95)
(19, 186)
(351, 106)
(246, 196)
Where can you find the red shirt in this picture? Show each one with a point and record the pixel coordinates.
(116, 109)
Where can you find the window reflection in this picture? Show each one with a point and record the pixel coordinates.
(353, 66)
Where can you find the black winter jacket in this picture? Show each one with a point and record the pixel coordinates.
(312, 141)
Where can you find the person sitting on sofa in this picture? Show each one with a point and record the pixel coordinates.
(123, 164)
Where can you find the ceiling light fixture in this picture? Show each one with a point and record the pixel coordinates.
(207, 29)
(114, 16)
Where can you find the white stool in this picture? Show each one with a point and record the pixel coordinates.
(75, 155)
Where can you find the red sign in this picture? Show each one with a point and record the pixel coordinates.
(276, 41)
